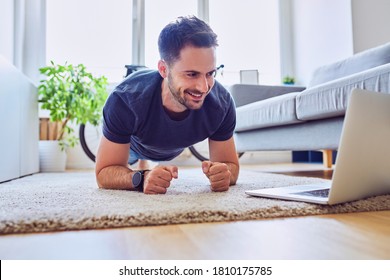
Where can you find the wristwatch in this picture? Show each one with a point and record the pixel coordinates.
(138, 180)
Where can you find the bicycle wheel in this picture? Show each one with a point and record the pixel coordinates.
(89, 139)
(201, 150)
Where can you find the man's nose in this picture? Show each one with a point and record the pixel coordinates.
(202, 84)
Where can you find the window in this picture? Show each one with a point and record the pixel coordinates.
(248, 35)
(157, 15)
(97, 33)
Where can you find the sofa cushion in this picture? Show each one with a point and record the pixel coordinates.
(359, 62)
(275, 111)
(331, 99)
(245, 94)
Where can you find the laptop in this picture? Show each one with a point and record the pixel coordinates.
(363, 160)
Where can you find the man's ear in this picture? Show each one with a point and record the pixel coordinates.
(162, 68)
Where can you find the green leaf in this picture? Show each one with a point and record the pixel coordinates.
(71, 92)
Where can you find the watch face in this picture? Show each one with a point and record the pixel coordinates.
(137, 179)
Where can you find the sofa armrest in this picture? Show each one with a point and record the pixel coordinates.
(331, 99)
(245, 94)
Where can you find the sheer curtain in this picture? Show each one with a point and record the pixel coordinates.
(29, 36)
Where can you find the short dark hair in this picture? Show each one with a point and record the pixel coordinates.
(184, 31)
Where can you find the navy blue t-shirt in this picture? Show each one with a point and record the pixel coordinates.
(134, 114)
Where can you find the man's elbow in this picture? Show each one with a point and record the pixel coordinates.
(234, 175)
(233, 180)
(98, 176)
(99, 184)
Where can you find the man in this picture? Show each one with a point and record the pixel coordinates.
(157, 114)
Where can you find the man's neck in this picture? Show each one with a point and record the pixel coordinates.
(174, 109)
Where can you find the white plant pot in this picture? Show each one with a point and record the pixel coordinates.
(51, 158)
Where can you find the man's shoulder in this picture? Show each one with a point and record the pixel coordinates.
(220, 95)
(139, 83)
(139, 80)
(220, 88)
(144, 74)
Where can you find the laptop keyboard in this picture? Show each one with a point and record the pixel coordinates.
(317, 193)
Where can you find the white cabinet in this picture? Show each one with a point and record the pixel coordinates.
(19, 124)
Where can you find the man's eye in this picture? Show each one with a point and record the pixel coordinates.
(192, 75)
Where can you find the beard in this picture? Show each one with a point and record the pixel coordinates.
(185, 97)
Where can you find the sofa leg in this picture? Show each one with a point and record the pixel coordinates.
(327, 158)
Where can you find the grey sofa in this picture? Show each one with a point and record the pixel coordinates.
(297, 119)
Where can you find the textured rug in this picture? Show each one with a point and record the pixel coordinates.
(71, 201)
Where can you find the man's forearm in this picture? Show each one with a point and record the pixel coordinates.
(115, 177)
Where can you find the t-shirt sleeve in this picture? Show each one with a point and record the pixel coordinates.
(118, 120)
(228, 124)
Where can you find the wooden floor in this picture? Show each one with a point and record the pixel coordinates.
(341, 236)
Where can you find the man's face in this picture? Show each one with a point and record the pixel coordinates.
(191, 78)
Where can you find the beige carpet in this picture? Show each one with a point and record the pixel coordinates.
(71, 201)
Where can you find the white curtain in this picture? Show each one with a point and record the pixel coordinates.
(29, 37)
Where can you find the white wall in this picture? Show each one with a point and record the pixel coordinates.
(371, 23)
(325, 31)
(322, 34)
(6, 29)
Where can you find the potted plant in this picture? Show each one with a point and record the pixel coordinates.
(288, 80)
(71, 95)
